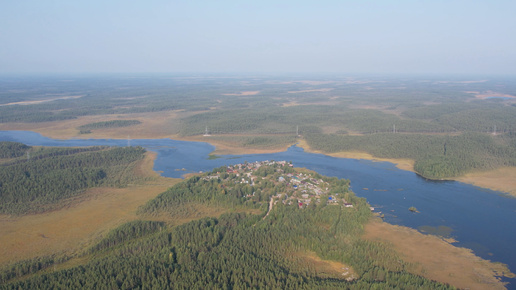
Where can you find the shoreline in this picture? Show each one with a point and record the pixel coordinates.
(468, 269)
(403, 164)
(426, 255)
(502, 179)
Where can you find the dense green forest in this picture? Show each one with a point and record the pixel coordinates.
(12, 149)
(235, 250)
(436, 156)
(109, 124)
(41, 177)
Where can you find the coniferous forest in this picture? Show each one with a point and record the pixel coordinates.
(225, 229)
(35, 180)
(236, 250)
(449, 128)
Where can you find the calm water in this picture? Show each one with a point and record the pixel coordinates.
(480, 219)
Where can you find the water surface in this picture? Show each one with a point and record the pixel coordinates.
(480, 219)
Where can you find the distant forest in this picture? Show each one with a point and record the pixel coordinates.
(449, 126)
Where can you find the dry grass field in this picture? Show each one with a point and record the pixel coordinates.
(85, 219)
(437, 259)
(153, 126)
(324, 268)
(501, 179)
(404, 164)
(81, 222)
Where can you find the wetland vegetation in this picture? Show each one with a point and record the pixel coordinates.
(39, 178)
(214, 232)
(318, 245)
(448, 127)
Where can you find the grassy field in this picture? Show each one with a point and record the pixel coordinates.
(81, 222)
(84, 220)
(324, 268)
(153, 126)
(427, 253)
(501, 179)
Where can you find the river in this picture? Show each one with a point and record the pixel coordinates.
(480, 219)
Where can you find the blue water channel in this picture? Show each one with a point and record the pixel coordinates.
(479, 219)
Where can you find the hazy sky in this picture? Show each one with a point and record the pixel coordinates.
(380, 36)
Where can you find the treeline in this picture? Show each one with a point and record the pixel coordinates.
(257, 141)
(436, 156)
(213, 192)
(126, 232)
(477, 116)
(101, 96)
(278, 107)
(109, 124)
(27, 267)
(49, 175)
(237, 251)
(12, 149)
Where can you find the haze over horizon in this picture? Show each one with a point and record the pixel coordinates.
(393, 37)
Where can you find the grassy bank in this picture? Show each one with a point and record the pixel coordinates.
(501, 179)
(436, 259)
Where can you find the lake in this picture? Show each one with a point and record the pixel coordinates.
(480, 219)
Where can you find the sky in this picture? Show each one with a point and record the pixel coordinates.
(194, 36)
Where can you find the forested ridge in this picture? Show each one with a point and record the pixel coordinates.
(42, 177)
(435, 156)
(234, 250)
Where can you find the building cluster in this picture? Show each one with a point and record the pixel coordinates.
(301, 188)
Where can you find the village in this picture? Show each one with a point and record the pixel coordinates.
(295, 187)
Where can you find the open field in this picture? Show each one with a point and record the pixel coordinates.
(501, 179)
(404, 164)
(225, 146)
(490, 94)
(244, 93)
(325, 268)
(73, 228)
(40, 101)
(427, 253)
(85, 219)
(153, 126)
